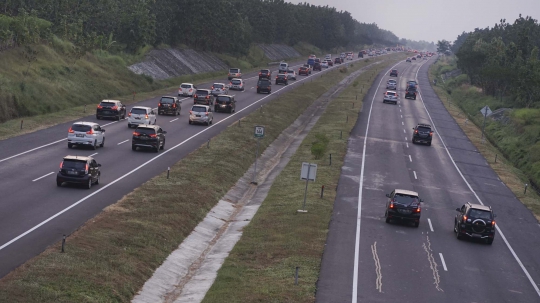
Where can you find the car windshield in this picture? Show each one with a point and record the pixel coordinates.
(222, 99)
(138, 111)
(109, 104)
(282, 76)
(80, 128)
(264, 82)
(264, 71)
(218, 85)
(185, 86)
(480, 214)
(146, 131)
(424, 129)
(394, 70)
(167, 100)
(234, 70)
(198, 109)
(290, 71)
(392, 82)
(405, 199)
(74, 164)
(236, 82)
(391, 93)
(202, 92)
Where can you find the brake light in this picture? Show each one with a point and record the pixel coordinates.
(191, 112)
(190, 89)
(70, 131)
(90, 132)
(416, 131)
(195, 96)
(431, 134)
(492, 223)
(212, 87)
(86, 169)
(174, 106)
(391, 204)
(207, 97)
(418, 209)
(159, 104)
(260, 73)
(146, 117)
(129, 115)
(153, 136)
(136, 134)
(99, 106)
(206, 113)
(114, 107)
(464, 218)
(61, 164)
(276, 77)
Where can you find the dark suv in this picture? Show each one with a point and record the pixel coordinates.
(78, 170)
(282, 78)
(265, 73)
(111, 109)
(422, 134)
(150, 136)
(317, 66)
(264, 85)
(403, 205)
(394, 73)
(225, 103)
(410, 93)
(203, 96)
(169, 105)
(475, 221)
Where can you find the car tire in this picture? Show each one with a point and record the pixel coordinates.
(129, 125)
(97, 179)
(163, 145)
(58, 183)
(118, 118)
(416, 224)
(133, 147)
(89, 185)
(156, 150)
(98, 117)
(94, 147)
(159, 113)
(489, 241)
(70, 145)
(102, 143)
(386, 216)
(190, 122)
(458, 233)
(258, 91)
(124, 116)
(429, 144)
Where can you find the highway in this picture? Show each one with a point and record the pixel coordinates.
(368, 260)
(35, 213)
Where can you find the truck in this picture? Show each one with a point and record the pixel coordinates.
(311, 62)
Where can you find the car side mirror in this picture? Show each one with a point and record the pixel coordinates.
(388, 195)
(458, 209)
(99, 165)
(164, 132)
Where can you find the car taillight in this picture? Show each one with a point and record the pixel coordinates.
(146, 117)
(276, 77)
(70, 131)
(260, 73)
(257, 86)
(190, 89)
(464, 218)
(61, 164)
(431, 134)
(86, 169)
(136, 134)
(418, 209)
(392, 204)
(416, 131)
(212, 87)
(206, 114)
(99, 106)
(174, 106)
(492, 223)
(191, 112)
(90, 132)
(159, 104)
(129, 115)
(195, 96)
(207, 97)
(114, 107)
(153, 136)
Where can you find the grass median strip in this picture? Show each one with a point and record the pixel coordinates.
(261, 267)
(112, 255)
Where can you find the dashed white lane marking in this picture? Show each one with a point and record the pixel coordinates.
(430, 226)
(401, 116)
(405, 138)
(31, 150)
(402, 123)
(43, 177)
(443, 263)
(404, 130)
(174, 119)
(410, 158)
(110, 123)
(252, 88)
(93, 154)
(407, 143)
(415, 177)
(400, 110)
(122, 142)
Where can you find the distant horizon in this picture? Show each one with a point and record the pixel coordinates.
(421, 20)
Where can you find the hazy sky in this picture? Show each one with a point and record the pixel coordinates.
(433, 20)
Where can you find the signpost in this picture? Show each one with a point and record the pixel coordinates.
(259, 133)
(308, 173)
(486, 111)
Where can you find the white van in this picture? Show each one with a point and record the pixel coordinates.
(283, 67)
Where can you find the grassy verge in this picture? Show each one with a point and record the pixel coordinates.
(463, 104)
(261, 266)
(111, 256)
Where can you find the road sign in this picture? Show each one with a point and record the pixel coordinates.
(486, 111)
(308, 169)
(259, 131)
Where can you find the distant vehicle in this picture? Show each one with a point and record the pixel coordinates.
(390, 97)
(408, 60)
(330, 62)
(203, 96)
(338, 61)
(141, 115)
(282, 79)
(349, 56)
(403, 205)
(237, 84)
(234, 73)
(225, 103)
(324, 64)
(265, 73)
(360, 55)
(186, 89)
(475, 221)
(309, 67)
(317, 66)
(311, 61)
(86, 134)
(328, 57)
(78, 170)
(111, 109)
(343, 56)
(219, 89)
(312, 57)
(391, 84)
(394, 73)
(413, 58)
(264, 85)
(291, 74)
(317, 60)
(422, 133)
(303, 71)
(169, 105)
(148, 136)
(410, 93)
(283, 66)
(201, 114)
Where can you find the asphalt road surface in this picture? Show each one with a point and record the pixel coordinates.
(368, 260)
(35, 213)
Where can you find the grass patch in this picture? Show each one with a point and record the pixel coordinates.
(514, 144)
(112, 255)
(261, 266)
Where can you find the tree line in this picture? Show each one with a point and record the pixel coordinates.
(213, 25)
(503, 60)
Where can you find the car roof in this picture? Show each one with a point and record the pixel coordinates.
(148, 126)
(187, 84)
(226, 96)
(406, 192)
(200, 105)
(168, 97)
(85, 123)
(480, 206)
(80, 158)
(203, 89)
(390, 91)
(110, 100)
(219, 83)
(142, 107)
(424, 125)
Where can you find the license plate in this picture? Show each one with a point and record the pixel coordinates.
(79, 135)
(476, 235)
(72, 172)
(137, 118)
(405, 211)
(198, 116)
(106, 112)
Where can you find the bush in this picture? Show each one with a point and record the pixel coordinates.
(343, 69)
(318, 148)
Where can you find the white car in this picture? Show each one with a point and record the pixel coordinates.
(219, 89)
(328, 57)
(86, 133)
(324, 64)
(237, 84)
(186, 89)
(291, 74)
(283, 67)
(390, 97)
(201, 114)
(141, 115)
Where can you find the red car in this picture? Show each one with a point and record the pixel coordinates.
(303, 71)
(338, 61)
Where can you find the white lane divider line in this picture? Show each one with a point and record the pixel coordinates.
(43, 177)
(443, 263)
(430, 226)
(122, 142)
(93, 155)
(252, 88)
(407, 143)
(416, 178)
(109, 123)
(405, 138)
(31, 150)
(404, 130)
(174, 120)
(410, 158)
(401, 116)
(378, 280)
(402, 123)
(400, 110)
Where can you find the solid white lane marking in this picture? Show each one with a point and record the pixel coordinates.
(174, 120)
(31, 150)
(252, 88)
(122, 142)
(405, 138)
(359, 214)
(443, 263)
(410, 158)
(43, 176)
(93, 154)
(533, 283)
(430, 226)
(415, 177)
(109, 123)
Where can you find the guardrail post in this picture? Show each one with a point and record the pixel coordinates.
(85, 108)
(168, 171)
(296, 276)
(322, 191)
(22, 124)
(526, 185)
(63, 242)
(495, 158)
(208, 144)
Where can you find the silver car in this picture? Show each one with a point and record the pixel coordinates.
(87, 134)
(219, 89)
(291, 74)
(141, 115)
(201, 114)
(237, 84)
(390, 97)
(391, 84)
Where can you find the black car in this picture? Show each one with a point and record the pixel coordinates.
(475, 221)
(360, 55)
(317, 66)
(265, 73)
(169, 106)
(422, 134)
(225, 103)
(203, 96)
(403, 205)
(394, 73)
(148, 136)
(264, 85)
(78, 170)
(410, 93)
(282, 79)
(111, 109)
(338, 61)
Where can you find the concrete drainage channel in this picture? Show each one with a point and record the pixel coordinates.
(188, 273)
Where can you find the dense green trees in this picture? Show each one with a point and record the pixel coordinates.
(504, 60)
(216, 25)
